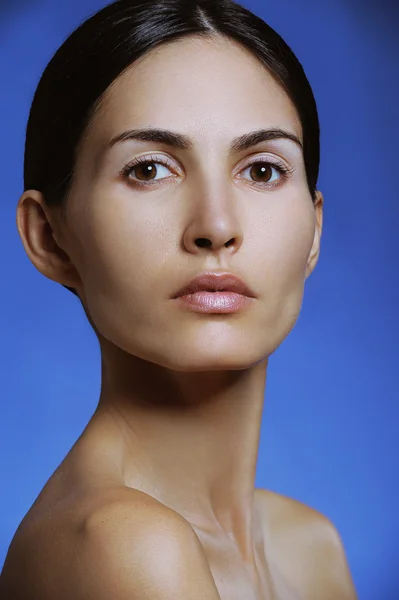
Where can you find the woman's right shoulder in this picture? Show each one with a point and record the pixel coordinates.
(135, 547)
(140, 512)
(126, 545)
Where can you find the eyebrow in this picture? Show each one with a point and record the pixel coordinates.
(183, 142)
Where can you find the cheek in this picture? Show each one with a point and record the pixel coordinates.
(122, 260)
(292, 234)
(291, 240)
(122, 252)
(287, 234)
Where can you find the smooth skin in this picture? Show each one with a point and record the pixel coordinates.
(156, 500)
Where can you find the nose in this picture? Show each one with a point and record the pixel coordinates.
(213, 223)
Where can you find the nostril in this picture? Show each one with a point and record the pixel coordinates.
(203, 242)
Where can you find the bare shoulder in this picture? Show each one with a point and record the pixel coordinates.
(147, 550)
(129, 546)
(307, 547)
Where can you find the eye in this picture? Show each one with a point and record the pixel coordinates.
(270, 173)
(145, 170)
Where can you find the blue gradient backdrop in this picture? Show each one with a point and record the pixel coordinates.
(330, 434)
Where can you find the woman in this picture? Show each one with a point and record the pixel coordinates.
(171, 165)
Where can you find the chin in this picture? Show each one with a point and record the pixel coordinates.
(204, 357)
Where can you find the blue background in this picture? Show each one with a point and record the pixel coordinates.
(330, 434)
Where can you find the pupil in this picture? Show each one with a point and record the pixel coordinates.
(263, 170)
(147, 169)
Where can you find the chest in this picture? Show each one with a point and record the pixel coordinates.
(265, 579)
(235, 584)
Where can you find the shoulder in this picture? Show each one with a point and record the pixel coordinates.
(131, 516)
(129, 546)
(308, 547)
(143, 549)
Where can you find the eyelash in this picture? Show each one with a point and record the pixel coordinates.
(284, 171)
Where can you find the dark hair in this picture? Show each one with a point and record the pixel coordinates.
(101, 48)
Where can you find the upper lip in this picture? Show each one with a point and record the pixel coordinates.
(216, 282)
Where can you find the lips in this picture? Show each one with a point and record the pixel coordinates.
(214, 282)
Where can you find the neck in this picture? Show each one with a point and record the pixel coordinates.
(188, 439)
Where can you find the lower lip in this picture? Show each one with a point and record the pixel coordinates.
(215, 302)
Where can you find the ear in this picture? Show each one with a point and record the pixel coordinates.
(37, 230)
(315, 251)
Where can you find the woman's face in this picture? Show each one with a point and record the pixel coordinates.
(133, 238)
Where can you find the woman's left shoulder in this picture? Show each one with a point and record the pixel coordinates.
(307, 546)
(291, 516)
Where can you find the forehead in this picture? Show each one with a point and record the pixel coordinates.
(209, 88)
